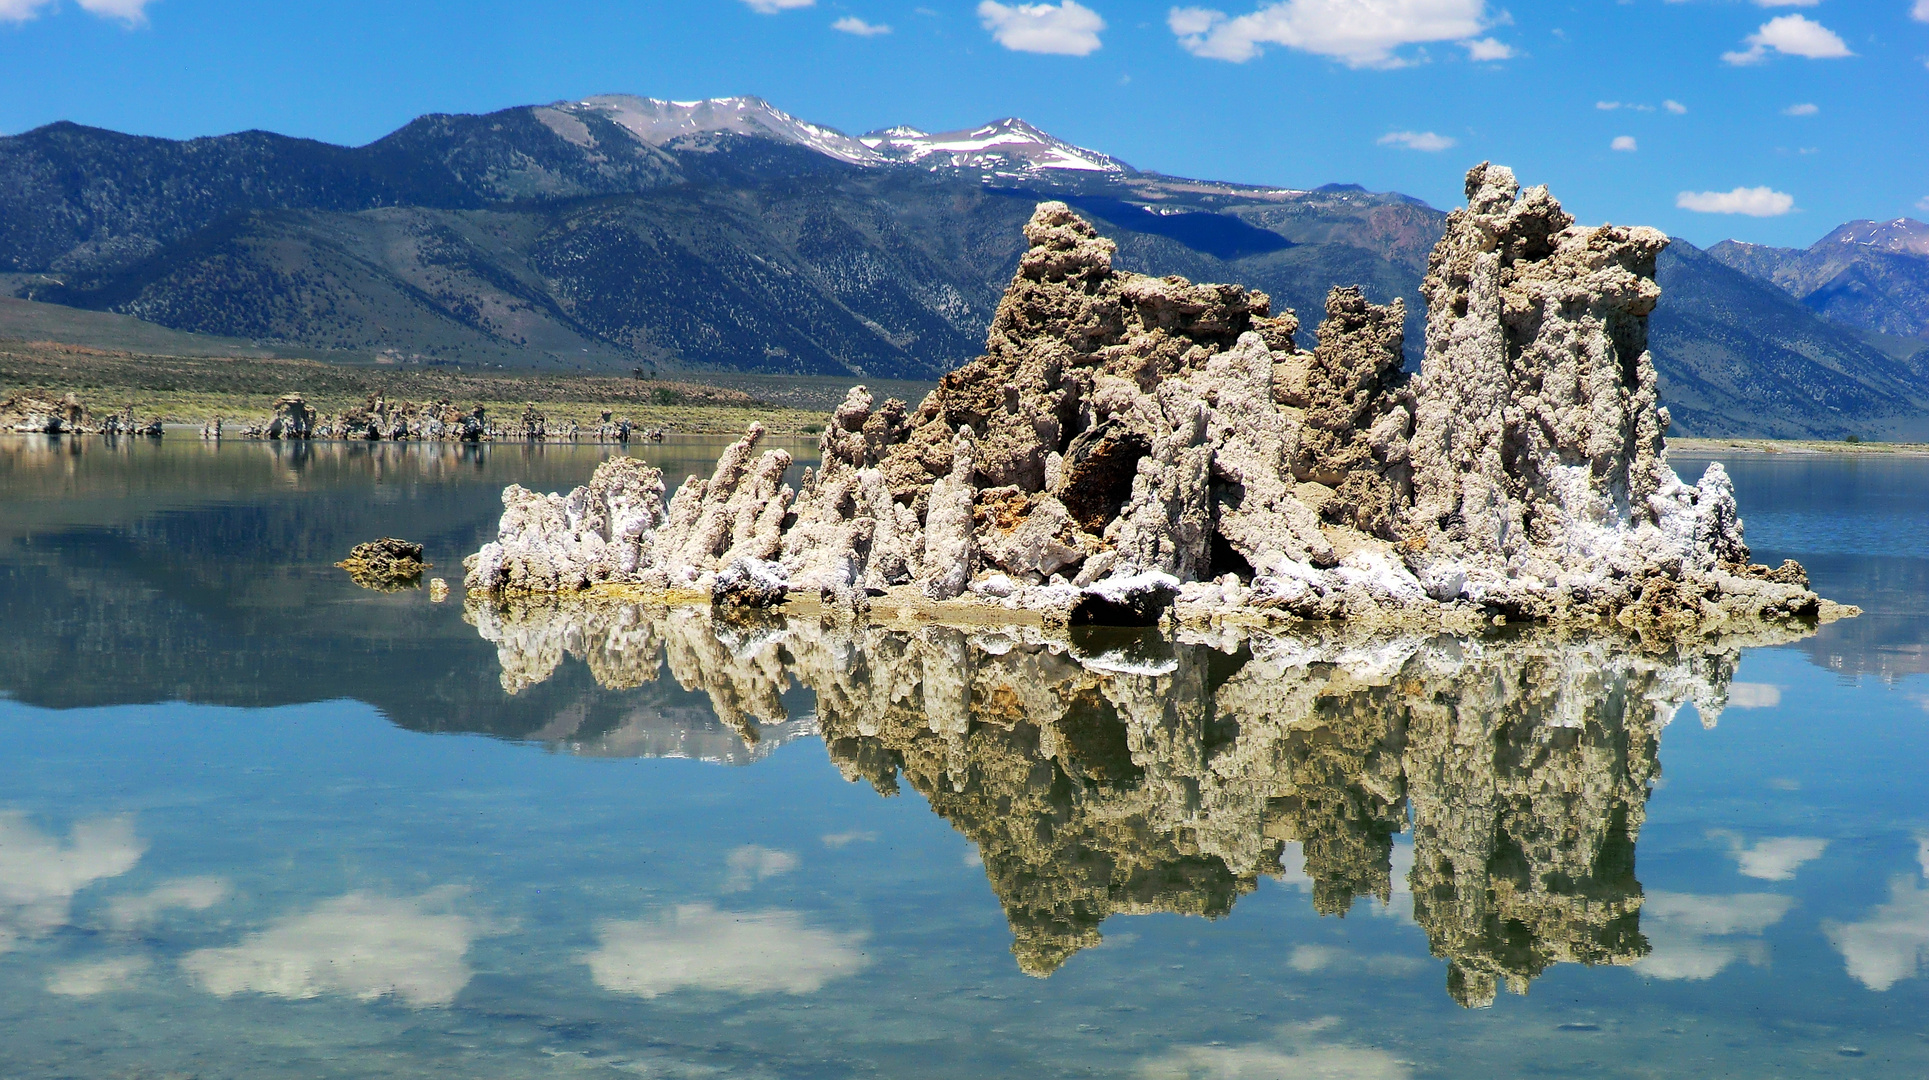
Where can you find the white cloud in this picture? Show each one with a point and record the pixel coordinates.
(192, 894)
(1790, 35)
(751, 864)
(742, 952)
(131, 12)
(21, 10)
(1889, 945)
(1920, 12)
(1487, 49)
(1610, 106)
(1359, 33)
(367, 946)
(1307, 959)
(772, 7)
(845, 839)
(1674, 106)
(1774, 858)
(1623, 143)
(1067, 28)
(1318, 1062)
(1923, 203)
(1755, 202)
(1753, 695)
(1716, 916)
(1804, 109)
(93, 977)
(39, 875)
(851, 24)
(1695, 937)
(1416, 140)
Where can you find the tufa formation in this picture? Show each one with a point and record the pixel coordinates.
(386, 565)
(40, 414)
(1128, 443)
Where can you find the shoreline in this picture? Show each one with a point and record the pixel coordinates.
(187, 391)
(906, 608)
(1709, 447)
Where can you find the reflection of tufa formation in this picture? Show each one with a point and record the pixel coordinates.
(1128, 441)
(1116, 775)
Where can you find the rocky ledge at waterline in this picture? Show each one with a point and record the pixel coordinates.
(1130, 443)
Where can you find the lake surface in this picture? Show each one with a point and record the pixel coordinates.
(257, 821)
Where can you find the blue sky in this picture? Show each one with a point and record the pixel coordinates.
(1769, 113)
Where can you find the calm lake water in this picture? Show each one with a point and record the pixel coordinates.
(256, 821)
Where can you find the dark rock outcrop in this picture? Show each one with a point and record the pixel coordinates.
(386, 565)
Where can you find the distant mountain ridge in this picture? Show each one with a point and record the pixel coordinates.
(661, 123)
(727, 234)
(1872, 275)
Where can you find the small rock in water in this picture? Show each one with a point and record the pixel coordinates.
(750, 583)
(386, 565)
(438, 590)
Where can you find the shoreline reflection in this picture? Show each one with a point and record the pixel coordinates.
(1119, 773)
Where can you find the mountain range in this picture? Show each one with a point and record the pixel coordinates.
(729, 235)
(1873, 275)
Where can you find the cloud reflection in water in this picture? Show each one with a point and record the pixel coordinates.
(1696, 937)
(360, 944)
(1890, 943)
(698, 947)
(39, 875)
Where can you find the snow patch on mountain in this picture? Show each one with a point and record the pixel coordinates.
(1008, 147)
(1002, 146)
(1905, 236)
(658, 122)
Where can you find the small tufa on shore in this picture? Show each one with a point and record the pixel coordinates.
(1129, 442)
(379, 419)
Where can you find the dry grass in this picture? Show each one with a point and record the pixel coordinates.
(189, 389)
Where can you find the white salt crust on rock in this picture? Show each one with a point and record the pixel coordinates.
(1129, 445)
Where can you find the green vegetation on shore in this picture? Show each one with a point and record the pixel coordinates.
(190, 389)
